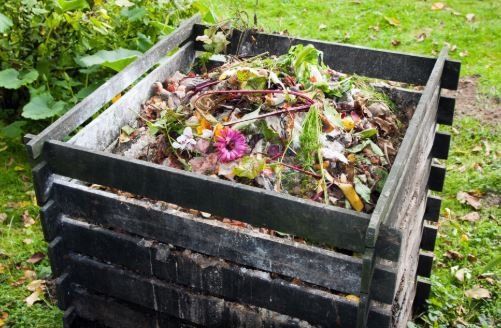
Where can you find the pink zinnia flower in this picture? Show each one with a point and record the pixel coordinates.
(230, 145)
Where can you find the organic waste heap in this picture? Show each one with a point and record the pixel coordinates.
(288, 124)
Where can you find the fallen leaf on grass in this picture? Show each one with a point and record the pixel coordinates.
(36, 258)
(392, 21)
(3, 318)
(33, 298)
(472, 217)
(461, 274)
(466, 198)
(322, 27)
(36, 284)
(2, 268)
(27, 219)
(421, 37)
(477, 293)
(438, 6)
(3, 217)
(395, 42)
(463, 53)
(453, 255)
(28, 241)
(30, 275)
(470, 18)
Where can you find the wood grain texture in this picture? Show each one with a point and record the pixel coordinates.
(101, 132)
(211, 276)
(211, 237)
(323, 224)
(92, 103)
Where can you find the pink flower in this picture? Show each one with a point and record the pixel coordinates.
(230, 145)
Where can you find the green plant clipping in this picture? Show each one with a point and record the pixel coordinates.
(310, 138)
(5, 23)
(116, 59)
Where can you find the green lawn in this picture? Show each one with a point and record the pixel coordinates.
(473, 164)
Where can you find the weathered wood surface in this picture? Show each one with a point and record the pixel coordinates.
(212, 276)
(49, 214)
(320, 223)
(211, 237)
(42, 182)
(423, 290)
(381, 64)
(103, 131)
(446, 107)
(117, 314)
(171, 299)
(394, 197)
(92, 103)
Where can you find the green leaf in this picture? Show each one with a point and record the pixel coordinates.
(114, 59)
(42, 106)
(143, 42)
(10, 79)
(375, 149)
(249, 167)
(208, 15)
(249, 116)
(134, 14)
(162, 28)
(368, 133)
(5, 23)
(362, 190)
(68, 5)
(13, 130)
(333, 116)
(358, 148)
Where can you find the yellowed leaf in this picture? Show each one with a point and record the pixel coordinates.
(36, 284)
(470, 18)
(322, 27)
(438, 6)
(28, 241)
(33, 298)
(353, 298)
(352, 196)
(30, 275)
(472, 217)
(395, 42)
(348, 123)
(463, 53)
(477, 293)
(2, 268)
(116, 98)
(392, 21)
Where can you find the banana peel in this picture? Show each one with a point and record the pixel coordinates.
(352, 196)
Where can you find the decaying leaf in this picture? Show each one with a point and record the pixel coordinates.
(36, 258)
(36, 284)
(477, 293)
(470, 18)
(27, 219)
(392, 21)
(34, 297)
(2, 268)
(467, 198)
(453, 255)
(438, 6)
(395, 42)
(461, 274)
(472, 217)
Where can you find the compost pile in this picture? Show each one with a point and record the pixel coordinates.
(288, 124)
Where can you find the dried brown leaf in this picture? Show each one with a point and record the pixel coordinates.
(470, 18)
(453, 255)
(466, 198)
(3, 217)
(395, 42)
(393, 21)
(477, 293)
(34, 297)
(27, 219)
(421, 37)
(438, 6)
(36, 284)
(472, 217)
(36, 258)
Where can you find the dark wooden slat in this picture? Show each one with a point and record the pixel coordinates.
(42, 182)
(381, 64)
(316, 222)
(437, 177)
(56, 255)
(395, 185)
(63, 293)
(425, 264)
(433, 204)
(70, 318)
(211, 237)
(210, 276)
(423, 290)
(441, 145)
(112, 313)
(49, 216)
(171, 299)
(429, 237)
(92, 103)
(446, 110)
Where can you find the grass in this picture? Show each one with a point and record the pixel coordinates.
(369, 23)
(468, 167)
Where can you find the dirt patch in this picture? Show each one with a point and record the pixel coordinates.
(471, 103)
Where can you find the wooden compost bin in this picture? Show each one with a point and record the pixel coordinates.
(129, 262)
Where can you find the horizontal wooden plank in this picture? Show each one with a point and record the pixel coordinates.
(101, 132)
(211, 237)
(211, 276)
(84, 110)
(423, 290)
(171, 299)
(49, 216)
(433, 204)
(319, 223)
(425, 263)
(429, 237)
(441, 145)
(381, 64)
(104, 311)
(56, 255)
(437, 177)
(42, 182)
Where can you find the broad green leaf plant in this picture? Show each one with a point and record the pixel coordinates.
(55, 53)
